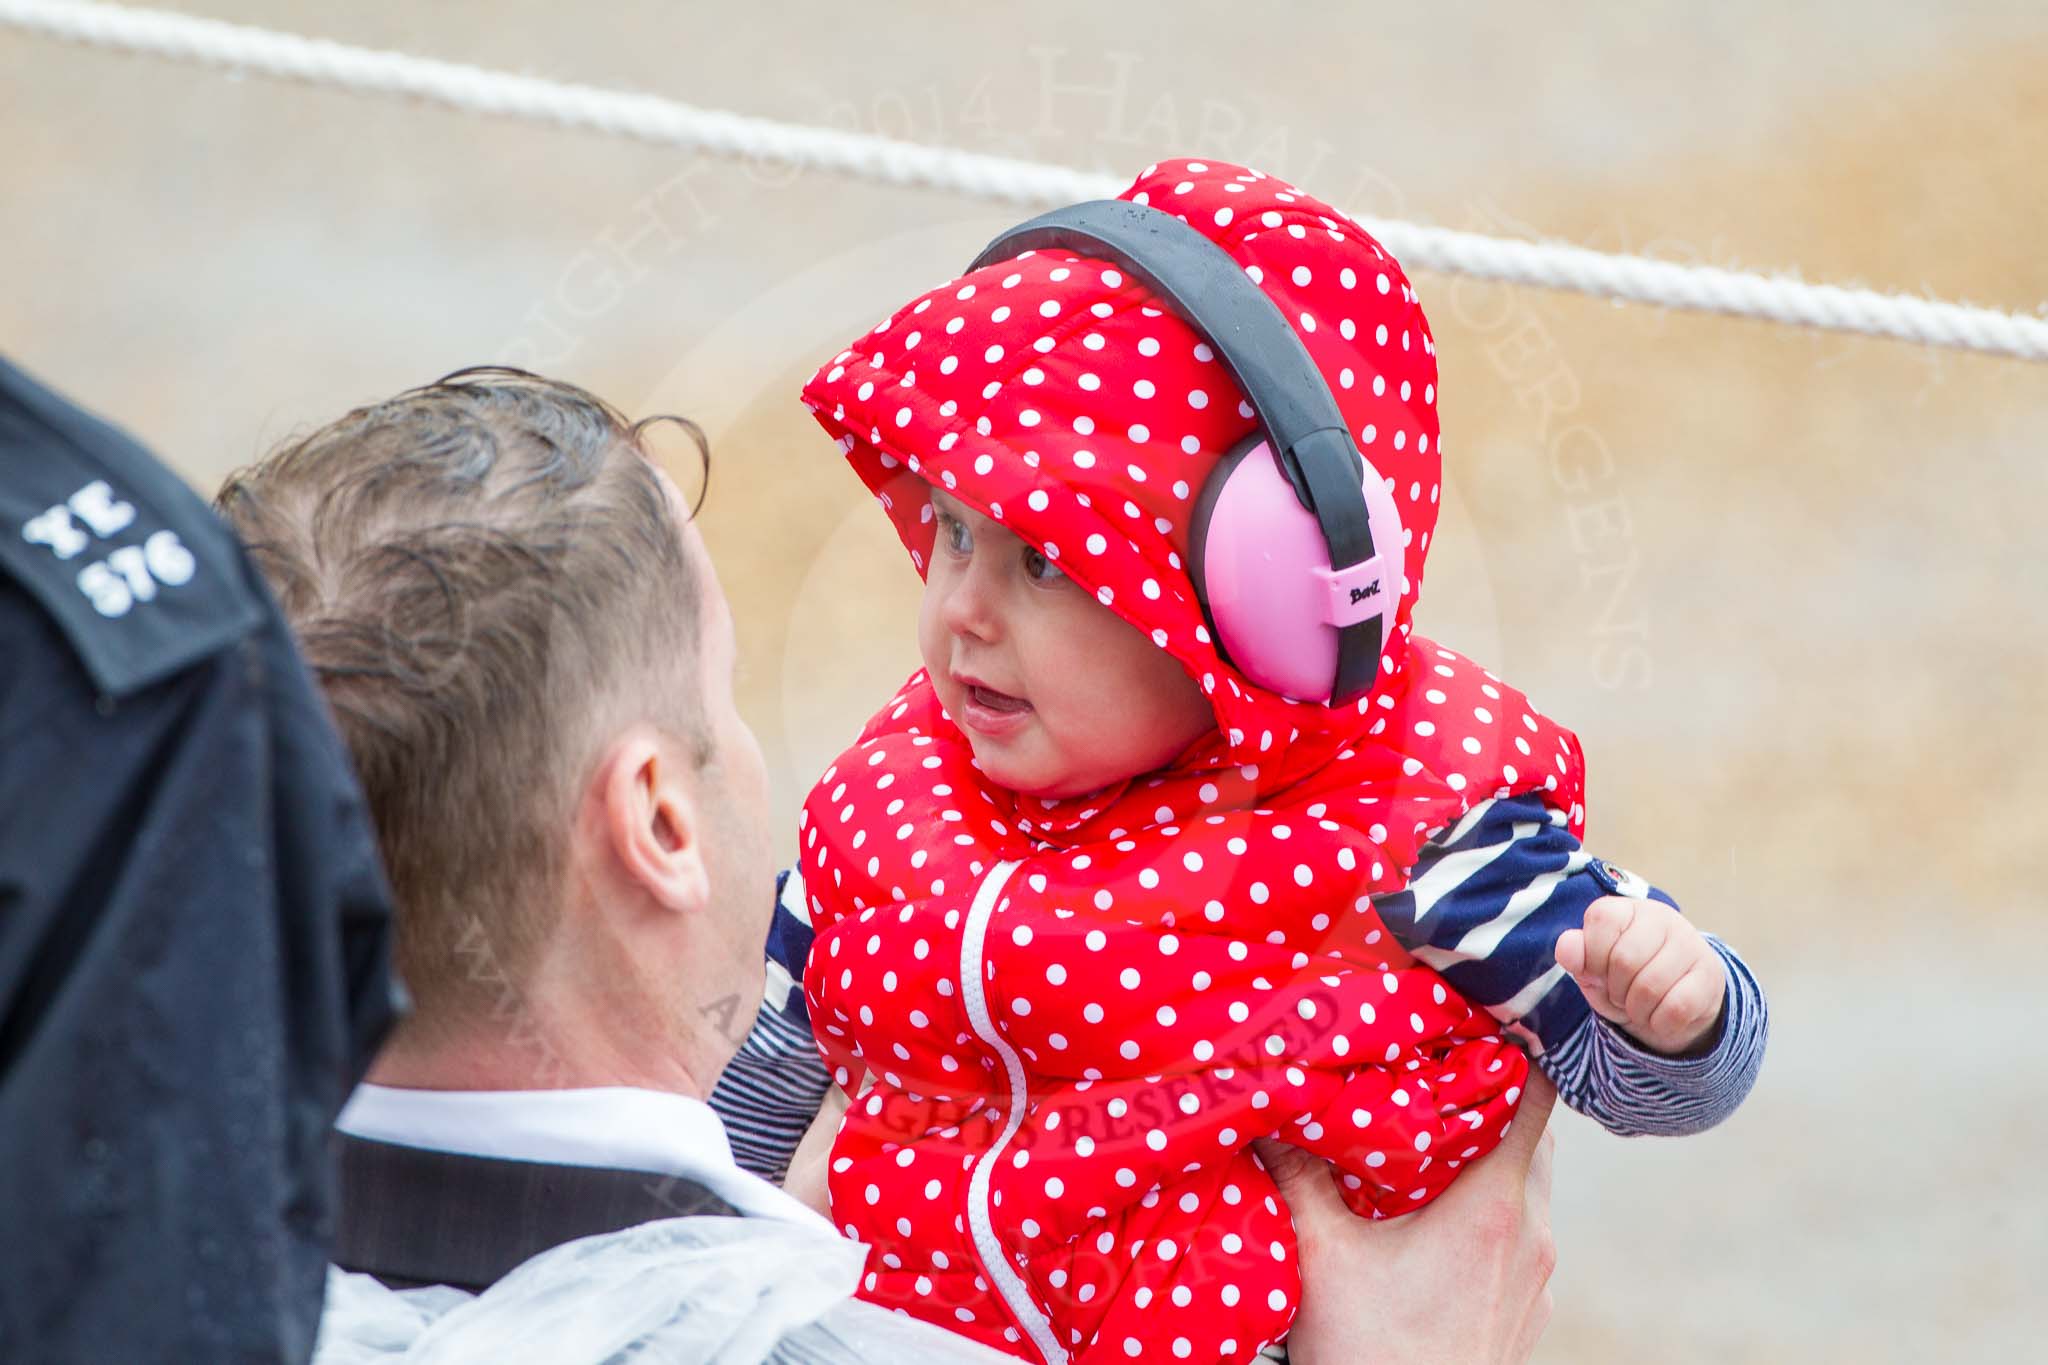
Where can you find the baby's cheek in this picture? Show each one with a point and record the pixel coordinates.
(1138, 729)
(931, 640)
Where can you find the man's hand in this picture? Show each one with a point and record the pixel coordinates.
(1641, 965)
(1464, 1279)
(807, 1175)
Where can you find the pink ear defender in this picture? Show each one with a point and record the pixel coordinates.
(1278, 607)
(1296, 547)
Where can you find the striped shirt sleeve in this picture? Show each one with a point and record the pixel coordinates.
(1633, 1092)
(1485, 905)
(770, 1091)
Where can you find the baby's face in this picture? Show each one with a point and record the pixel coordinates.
(1058, 696)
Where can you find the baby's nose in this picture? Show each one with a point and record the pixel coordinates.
(972, 606)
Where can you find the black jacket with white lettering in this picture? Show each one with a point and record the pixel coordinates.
(193, 924)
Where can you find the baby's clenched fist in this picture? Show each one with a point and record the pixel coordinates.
(1641, 965)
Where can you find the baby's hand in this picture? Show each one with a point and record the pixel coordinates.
(1642, 965)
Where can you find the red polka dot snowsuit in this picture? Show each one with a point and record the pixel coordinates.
(1077, 1015)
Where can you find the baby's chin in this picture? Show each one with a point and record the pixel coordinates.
(1042, 779)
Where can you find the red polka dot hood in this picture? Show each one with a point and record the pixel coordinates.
(1073, 1016)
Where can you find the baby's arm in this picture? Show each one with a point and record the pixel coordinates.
(769, 1093)
(1500, 897)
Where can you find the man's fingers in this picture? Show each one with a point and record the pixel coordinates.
(1539, 1238)
(1542, 1170)
(1539, 1097)
(1533, 1325)
(1518, 1147)
(807, 1177)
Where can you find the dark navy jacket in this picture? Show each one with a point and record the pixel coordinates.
(193, 924)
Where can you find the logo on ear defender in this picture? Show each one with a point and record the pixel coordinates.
(1371, 589)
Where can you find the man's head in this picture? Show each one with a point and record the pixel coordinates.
(525, 646)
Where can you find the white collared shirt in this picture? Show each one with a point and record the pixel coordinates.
(616, 1127)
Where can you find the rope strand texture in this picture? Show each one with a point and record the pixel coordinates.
(666, 122)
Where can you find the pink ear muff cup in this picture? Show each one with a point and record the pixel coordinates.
(1263, 568)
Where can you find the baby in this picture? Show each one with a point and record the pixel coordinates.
(1094, 910)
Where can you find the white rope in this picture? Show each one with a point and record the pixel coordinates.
(652, 118)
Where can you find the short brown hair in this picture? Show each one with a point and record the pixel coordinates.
(476, 570)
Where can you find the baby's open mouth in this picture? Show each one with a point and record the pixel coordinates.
(993, 700)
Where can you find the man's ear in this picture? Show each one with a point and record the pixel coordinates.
(650, 820)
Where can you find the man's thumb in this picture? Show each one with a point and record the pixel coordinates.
(1304, 1180)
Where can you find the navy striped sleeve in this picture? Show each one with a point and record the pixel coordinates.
(1633, 1092)
(1485, 905)
(770, 1091)
(789, 948)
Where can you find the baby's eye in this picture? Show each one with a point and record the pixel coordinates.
(953, 535)
(1039, 569)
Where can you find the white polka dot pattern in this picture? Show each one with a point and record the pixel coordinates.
(1190, 960)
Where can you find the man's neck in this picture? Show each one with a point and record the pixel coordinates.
(507, 1055)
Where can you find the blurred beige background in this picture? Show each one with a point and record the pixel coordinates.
(1789, 588)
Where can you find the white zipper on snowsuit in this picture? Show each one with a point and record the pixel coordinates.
(1008, 1283)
